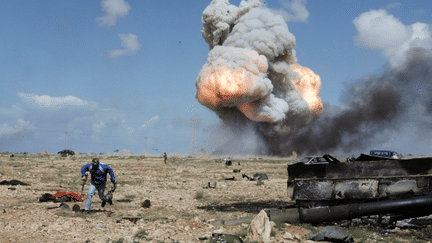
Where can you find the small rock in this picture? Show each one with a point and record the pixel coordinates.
(260, 228)
(288, 236)
(219, 231)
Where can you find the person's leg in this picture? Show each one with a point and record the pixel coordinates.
(104, 198)
(101, 190)
(90, 194)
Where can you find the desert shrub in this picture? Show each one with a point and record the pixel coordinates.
(199, 195)
(121, 240)
(141, 234)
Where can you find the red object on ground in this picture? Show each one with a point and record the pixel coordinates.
(75, 196)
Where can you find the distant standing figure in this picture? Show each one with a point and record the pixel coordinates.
(165, 157)
(98, 172)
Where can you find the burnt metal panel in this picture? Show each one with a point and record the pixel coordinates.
(313, 190)
(399, 187)
(362, 169)
(356, 189)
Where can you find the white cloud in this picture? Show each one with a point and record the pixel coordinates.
(41, 117)
(107, 116)
(45, 101)
(130, 45)
(151, 121)
(293, 11)
(98, 129)
(22, 128)
(113, 9)
(379, 30)
(393, 5)
(127, 130)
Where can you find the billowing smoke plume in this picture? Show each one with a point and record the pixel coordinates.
(252, 81)
(251, 78)
(393, 110)
(388, 111)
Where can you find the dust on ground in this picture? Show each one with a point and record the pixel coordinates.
(182, 203)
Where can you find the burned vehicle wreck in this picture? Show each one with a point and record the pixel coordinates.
(370, 185)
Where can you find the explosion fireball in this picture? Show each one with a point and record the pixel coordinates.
(252, 72)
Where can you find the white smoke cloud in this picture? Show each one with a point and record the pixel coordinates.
(293, 11)
(113, 10)
(379, 30)
(218, 17)
(130, 45)
(249, 75)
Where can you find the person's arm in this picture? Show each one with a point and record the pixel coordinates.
(83, 172)
(111, 173)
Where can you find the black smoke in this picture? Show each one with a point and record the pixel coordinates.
(396, 104)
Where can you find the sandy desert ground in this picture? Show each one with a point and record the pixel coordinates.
(182, 204)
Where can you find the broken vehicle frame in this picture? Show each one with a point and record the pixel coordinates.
(334, 191)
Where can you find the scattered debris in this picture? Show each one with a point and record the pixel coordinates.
(74, 196)
(13, 183)
(224, 238)
(124, 200)
(133, 220)
(211, 184)
(62, 196)
(61, 206)
(76, 208)
(236, 171)
(257, 177)
(47, 197)
(332, 234)
(230, 179)
(146, 204)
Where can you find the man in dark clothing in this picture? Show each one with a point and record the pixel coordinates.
(165, 157)
(98, 172)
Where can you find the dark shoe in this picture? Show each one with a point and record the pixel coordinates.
(103, 203)
(109, 197)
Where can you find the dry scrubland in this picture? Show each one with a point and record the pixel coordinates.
(181, 203)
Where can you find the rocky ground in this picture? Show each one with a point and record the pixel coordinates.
(182, 203)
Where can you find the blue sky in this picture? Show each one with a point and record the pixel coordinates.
(120, 74)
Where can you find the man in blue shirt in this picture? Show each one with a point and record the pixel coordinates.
(98, 172)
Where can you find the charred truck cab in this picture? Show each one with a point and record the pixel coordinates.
(370, 185)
